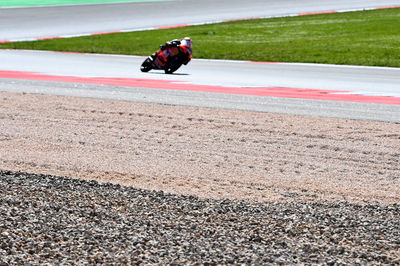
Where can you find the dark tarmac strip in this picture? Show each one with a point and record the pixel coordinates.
(57, 220)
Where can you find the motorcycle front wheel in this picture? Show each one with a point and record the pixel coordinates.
(146, 65)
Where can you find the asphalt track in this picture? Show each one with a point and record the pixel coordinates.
(31, 3)
(335, 91)
(324, 90)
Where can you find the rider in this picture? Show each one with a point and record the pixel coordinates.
(174, 47)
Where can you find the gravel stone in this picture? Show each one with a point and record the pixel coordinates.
(53, 220)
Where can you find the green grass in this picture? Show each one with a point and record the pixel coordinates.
(358, 38)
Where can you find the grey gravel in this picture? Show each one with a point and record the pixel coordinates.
(58, 220)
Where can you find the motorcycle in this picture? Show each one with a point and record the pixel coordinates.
(173, 63)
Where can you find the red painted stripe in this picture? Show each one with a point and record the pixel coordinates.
(331, 95)
(48, 38)
(241, 19)
(105, 32)
(387, 7)
(5, 41)
(173, 26)
(317, 13)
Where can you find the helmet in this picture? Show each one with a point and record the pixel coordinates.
(187, 42)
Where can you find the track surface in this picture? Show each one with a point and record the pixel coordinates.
(40, 3)
(323, 90)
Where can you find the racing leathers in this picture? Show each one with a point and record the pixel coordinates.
(171, 49)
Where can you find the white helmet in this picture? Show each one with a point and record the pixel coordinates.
(187, 42)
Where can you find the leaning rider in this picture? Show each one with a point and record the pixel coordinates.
(174, 47)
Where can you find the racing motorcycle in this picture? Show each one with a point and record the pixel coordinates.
(173, 63)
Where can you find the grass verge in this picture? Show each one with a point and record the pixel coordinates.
(369, 38)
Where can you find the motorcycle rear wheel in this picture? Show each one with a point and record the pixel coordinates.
(173, 66)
